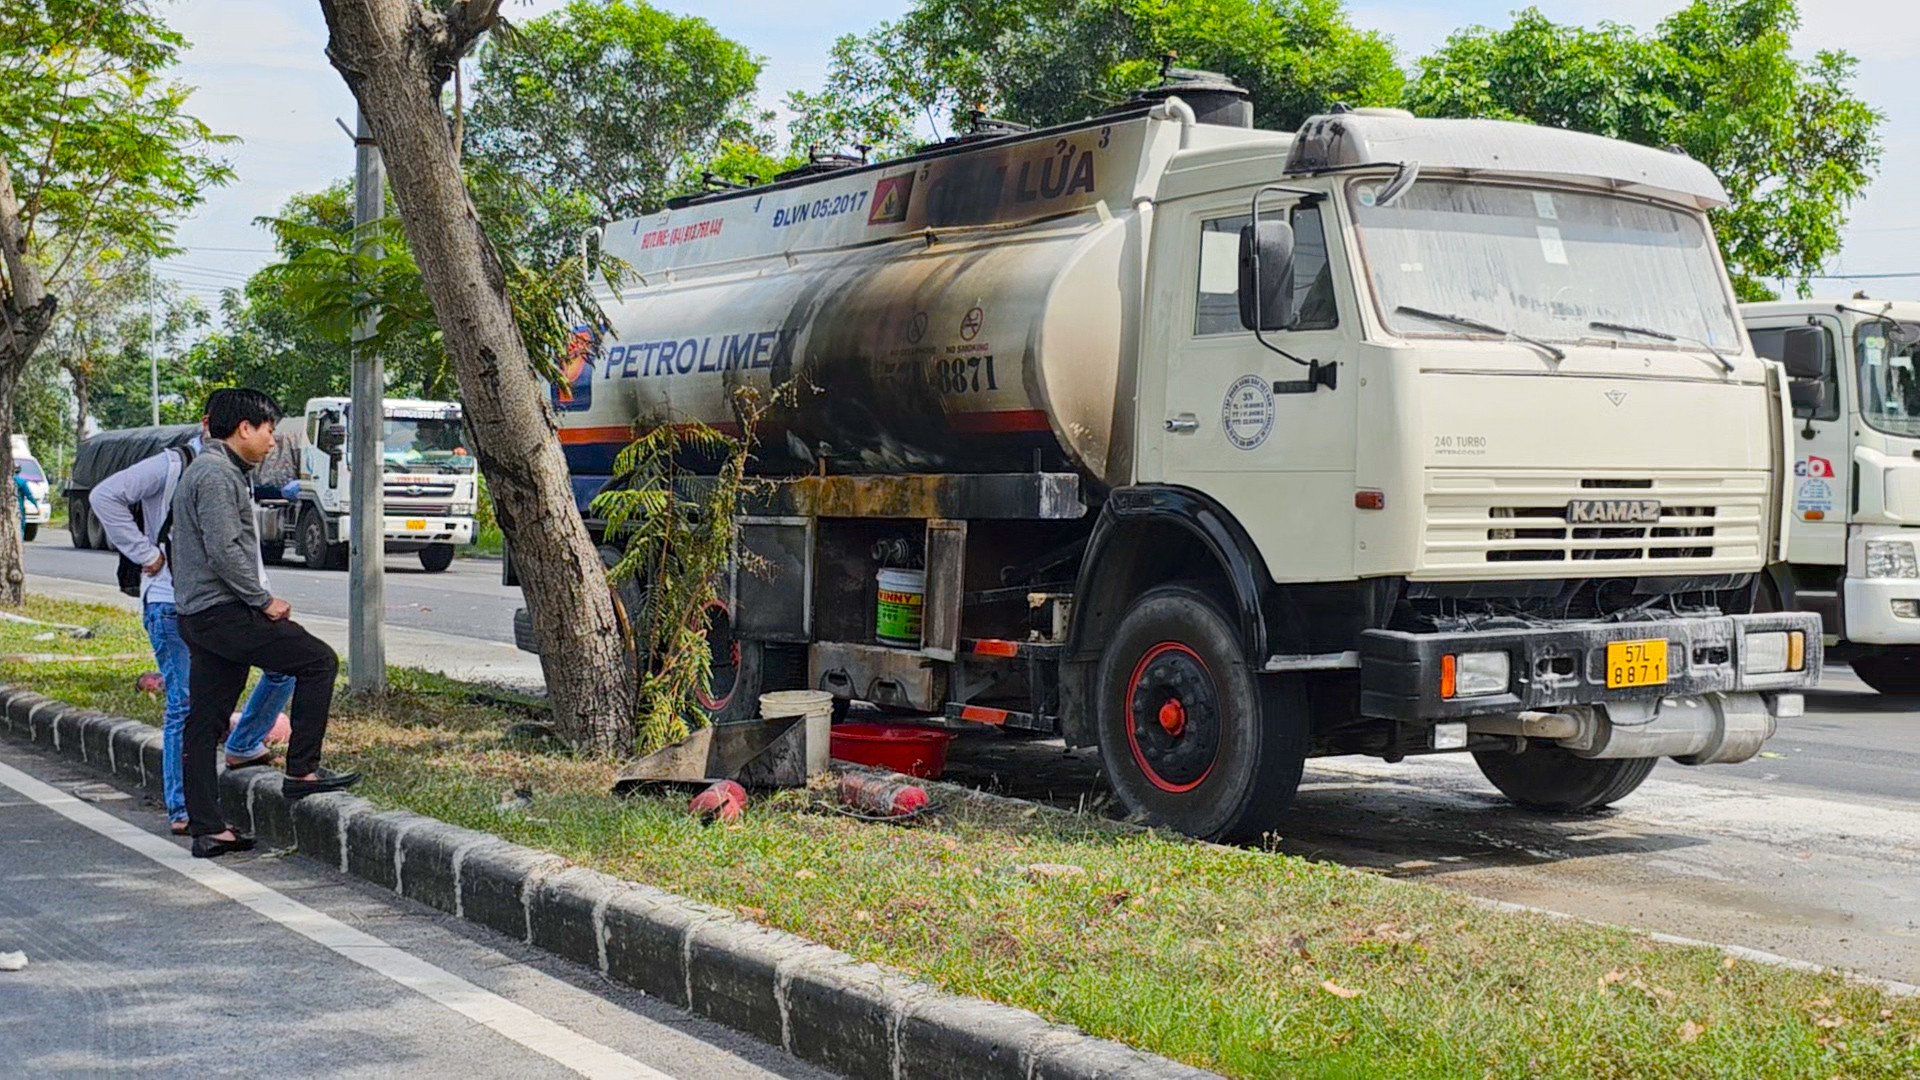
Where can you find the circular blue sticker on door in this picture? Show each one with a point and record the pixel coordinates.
(1247, 413)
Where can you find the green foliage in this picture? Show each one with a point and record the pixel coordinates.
(1789, 139)
(606, 109)
(1052, 61)
(680, 541)
(104, 158)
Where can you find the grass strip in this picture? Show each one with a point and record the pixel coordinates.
(1251, 963)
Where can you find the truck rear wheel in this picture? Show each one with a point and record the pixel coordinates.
(1554, 778)
(436, 557)
(1896, 671)
(77, 522)
(29, 531)
(96, 533)
(1191, 737)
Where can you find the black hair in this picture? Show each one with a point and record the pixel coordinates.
(227, 409)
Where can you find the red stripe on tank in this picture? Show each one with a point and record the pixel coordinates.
(1005, 422)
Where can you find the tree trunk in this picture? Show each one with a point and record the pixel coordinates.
(26, 311)
(82, 402)
(395, 57)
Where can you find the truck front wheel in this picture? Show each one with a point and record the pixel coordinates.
(1554, 778)
(436, 557)
(1192, 738)
(1896, 671)
(314, 548)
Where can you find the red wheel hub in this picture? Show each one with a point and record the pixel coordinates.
(1173, 716)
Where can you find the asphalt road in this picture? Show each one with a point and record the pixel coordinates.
(465, 600)
(1811, 850)
(135, 968)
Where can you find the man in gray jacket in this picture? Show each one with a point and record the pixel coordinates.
(231, 623)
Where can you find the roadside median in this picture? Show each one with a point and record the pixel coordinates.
(1246, 962)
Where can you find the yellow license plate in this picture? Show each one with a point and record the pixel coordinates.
(416, 524)
(1636, 663)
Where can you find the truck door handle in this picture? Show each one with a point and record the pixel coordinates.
(1183, 424)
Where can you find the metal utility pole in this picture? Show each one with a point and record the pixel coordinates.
(366, 565)
(153, 342)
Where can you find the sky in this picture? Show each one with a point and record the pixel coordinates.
(262, 75)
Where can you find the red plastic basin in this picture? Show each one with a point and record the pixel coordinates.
(904, 748)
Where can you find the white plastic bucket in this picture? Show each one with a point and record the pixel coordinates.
(817, 707)
(897, 607)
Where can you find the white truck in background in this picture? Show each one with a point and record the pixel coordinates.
(39, 506)
(1853, 545)
(431, 488)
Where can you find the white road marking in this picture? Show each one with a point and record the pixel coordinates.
(522, 1025)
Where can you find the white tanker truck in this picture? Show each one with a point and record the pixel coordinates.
(1219, 448)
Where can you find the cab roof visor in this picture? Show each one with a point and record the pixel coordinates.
(1359, 138)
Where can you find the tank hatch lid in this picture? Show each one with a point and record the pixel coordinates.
(1355, 138)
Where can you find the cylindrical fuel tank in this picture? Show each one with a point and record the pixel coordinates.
(979, 334)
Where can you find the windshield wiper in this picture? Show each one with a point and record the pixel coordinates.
(1624, 328)
(1485, 328)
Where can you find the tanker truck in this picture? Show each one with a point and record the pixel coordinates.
(1218, 448)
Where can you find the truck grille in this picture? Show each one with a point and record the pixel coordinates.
(1486, 520)
(417, 509)
(419, 491)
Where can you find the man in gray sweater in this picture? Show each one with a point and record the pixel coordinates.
(230, 623)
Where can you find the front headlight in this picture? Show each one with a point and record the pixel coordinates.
(462, 509)
(1473, 674)
(1891, 559)
(1775, 651)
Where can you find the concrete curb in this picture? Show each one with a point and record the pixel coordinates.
(821, 1005)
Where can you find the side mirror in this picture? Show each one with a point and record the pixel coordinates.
(1807, 395)
(1266, 275)
(333, 438)
(1803, 350)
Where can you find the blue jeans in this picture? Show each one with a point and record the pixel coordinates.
(249, 737)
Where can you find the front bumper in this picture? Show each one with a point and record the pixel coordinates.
(40, 512)
(1870, 615)
(1564, 664)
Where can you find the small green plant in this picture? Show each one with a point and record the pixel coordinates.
(679, 530)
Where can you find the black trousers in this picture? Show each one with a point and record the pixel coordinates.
(223, 642)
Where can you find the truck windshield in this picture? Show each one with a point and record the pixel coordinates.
(419, 443)
(1889, 360)
(1541, 262)
(30, 470)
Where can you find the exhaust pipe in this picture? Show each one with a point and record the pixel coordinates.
(1712, 729)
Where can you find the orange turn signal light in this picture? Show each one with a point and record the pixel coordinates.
(1796, 651)
(1370, 500)
(1448, 675)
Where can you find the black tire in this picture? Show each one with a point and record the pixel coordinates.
(77, 515)
(1894, 672)
(96, 533)
(313, 542)
(1192, 738)
(273, 552)
(29, 531)
(1554, 778)
(436, 557)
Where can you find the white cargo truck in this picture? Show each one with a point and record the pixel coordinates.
(39, 505)
(1219, 448)
(430, 486)
(1854, 525)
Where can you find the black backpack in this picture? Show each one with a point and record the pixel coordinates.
(129, 572)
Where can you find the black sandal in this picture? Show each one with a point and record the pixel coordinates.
(206, 847)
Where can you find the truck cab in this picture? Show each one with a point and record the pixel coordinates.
(430, 491)
(1854, 520)
(39, 504)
